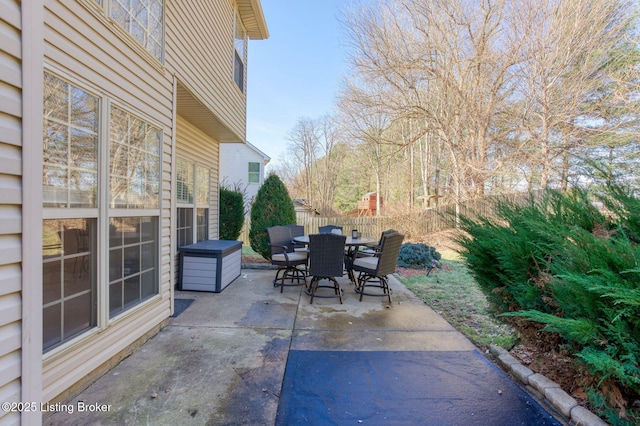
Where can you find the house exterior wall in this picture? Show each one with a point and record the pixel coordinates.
(199, 51)
(77, 42)
(11, 111)
(234, 169)
(84, 46)
(194, 145)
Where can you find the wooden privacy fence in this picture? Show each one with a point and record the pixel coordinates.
(414, 226)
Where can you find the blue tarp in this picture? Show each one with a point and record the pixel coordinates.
(402, 388)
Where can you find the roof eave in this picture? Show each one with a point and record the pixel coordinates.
(253, 19)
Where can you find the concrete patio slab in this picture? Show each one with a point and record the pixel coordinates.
(224, 359)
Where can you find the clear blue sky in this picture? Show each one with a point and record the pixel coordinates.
(296, 71)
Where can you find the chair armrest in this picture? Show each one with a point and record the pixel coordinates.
(284, 249)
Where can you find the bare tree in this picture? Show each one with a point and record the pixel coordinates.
(328, 164)
(304, 146)
(570, 78)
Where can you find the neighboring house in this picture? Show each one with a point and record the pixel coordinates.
(242, 165)
(303, 209)
(112, 114)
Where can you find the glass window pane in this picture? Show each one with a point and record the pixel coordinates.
(56, 99)
(148, 256)
(51, 239)
(84, 110)
(185, 226)
(115, 299)
(202, 185)
(69, 274)
(134, 172)
(55, 143)
(51, 281)
(254, 172)
(70, 142)
(134, 16)
(131, 292)
(131, 228)
(83, 152)
(51, 326)
(202, 225)
(77, 312)
(83, 188)
(149, 284)
(184, 181)
(115, 264)
(129, 261)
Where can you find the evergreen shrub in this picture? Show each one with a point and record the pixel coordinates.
(418, 256)
(272, 206)
(562, 262)
(231, 213)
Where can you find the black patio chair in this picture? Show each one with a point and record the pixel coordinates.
(327, 229)
(286, 258)
(326, 257)
(297, 231)
(373, 270)
(375, 250)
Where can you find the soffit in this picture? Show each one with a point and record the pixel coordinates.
(253, 19)
(200, 116)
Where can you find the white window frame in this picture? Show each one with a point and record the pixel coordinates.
(250, 173)
(72, 213)
(144, 37)
(102, 213)
(139, 212)
(239, 52)
(199, 200)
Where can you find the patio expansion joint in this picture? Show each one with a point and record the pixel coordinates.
(228, 327)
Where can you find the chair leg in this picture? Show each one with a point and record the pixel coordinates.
(313, 287)
(366, 280)
(294, 275)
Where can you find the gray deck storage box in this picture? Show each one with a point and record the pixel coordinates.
(210, 265)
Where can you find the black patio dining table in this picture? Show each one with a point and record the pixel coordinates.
(352, 245)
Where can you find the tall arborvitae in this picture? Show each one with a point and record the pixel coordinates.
(272, 206)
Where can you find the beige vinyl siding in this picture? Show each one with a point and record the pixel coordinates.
(10, 205)
(88, 49)
(199, 49)
(193, 144)
(96, 50)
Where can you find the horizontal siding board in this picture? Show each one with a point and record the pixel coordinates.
(11, 15)
(10, 69)
(11, 308)
(10, 364)
(10, 278)
(11, 38)
(10, 159)
(10, 130)
(11, 218)
(10, 337)
(10, 99)
(10, 392)
(10, 189)
(10, 248)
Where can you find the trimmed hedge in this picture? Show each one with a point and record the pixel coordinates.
(231, 213)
